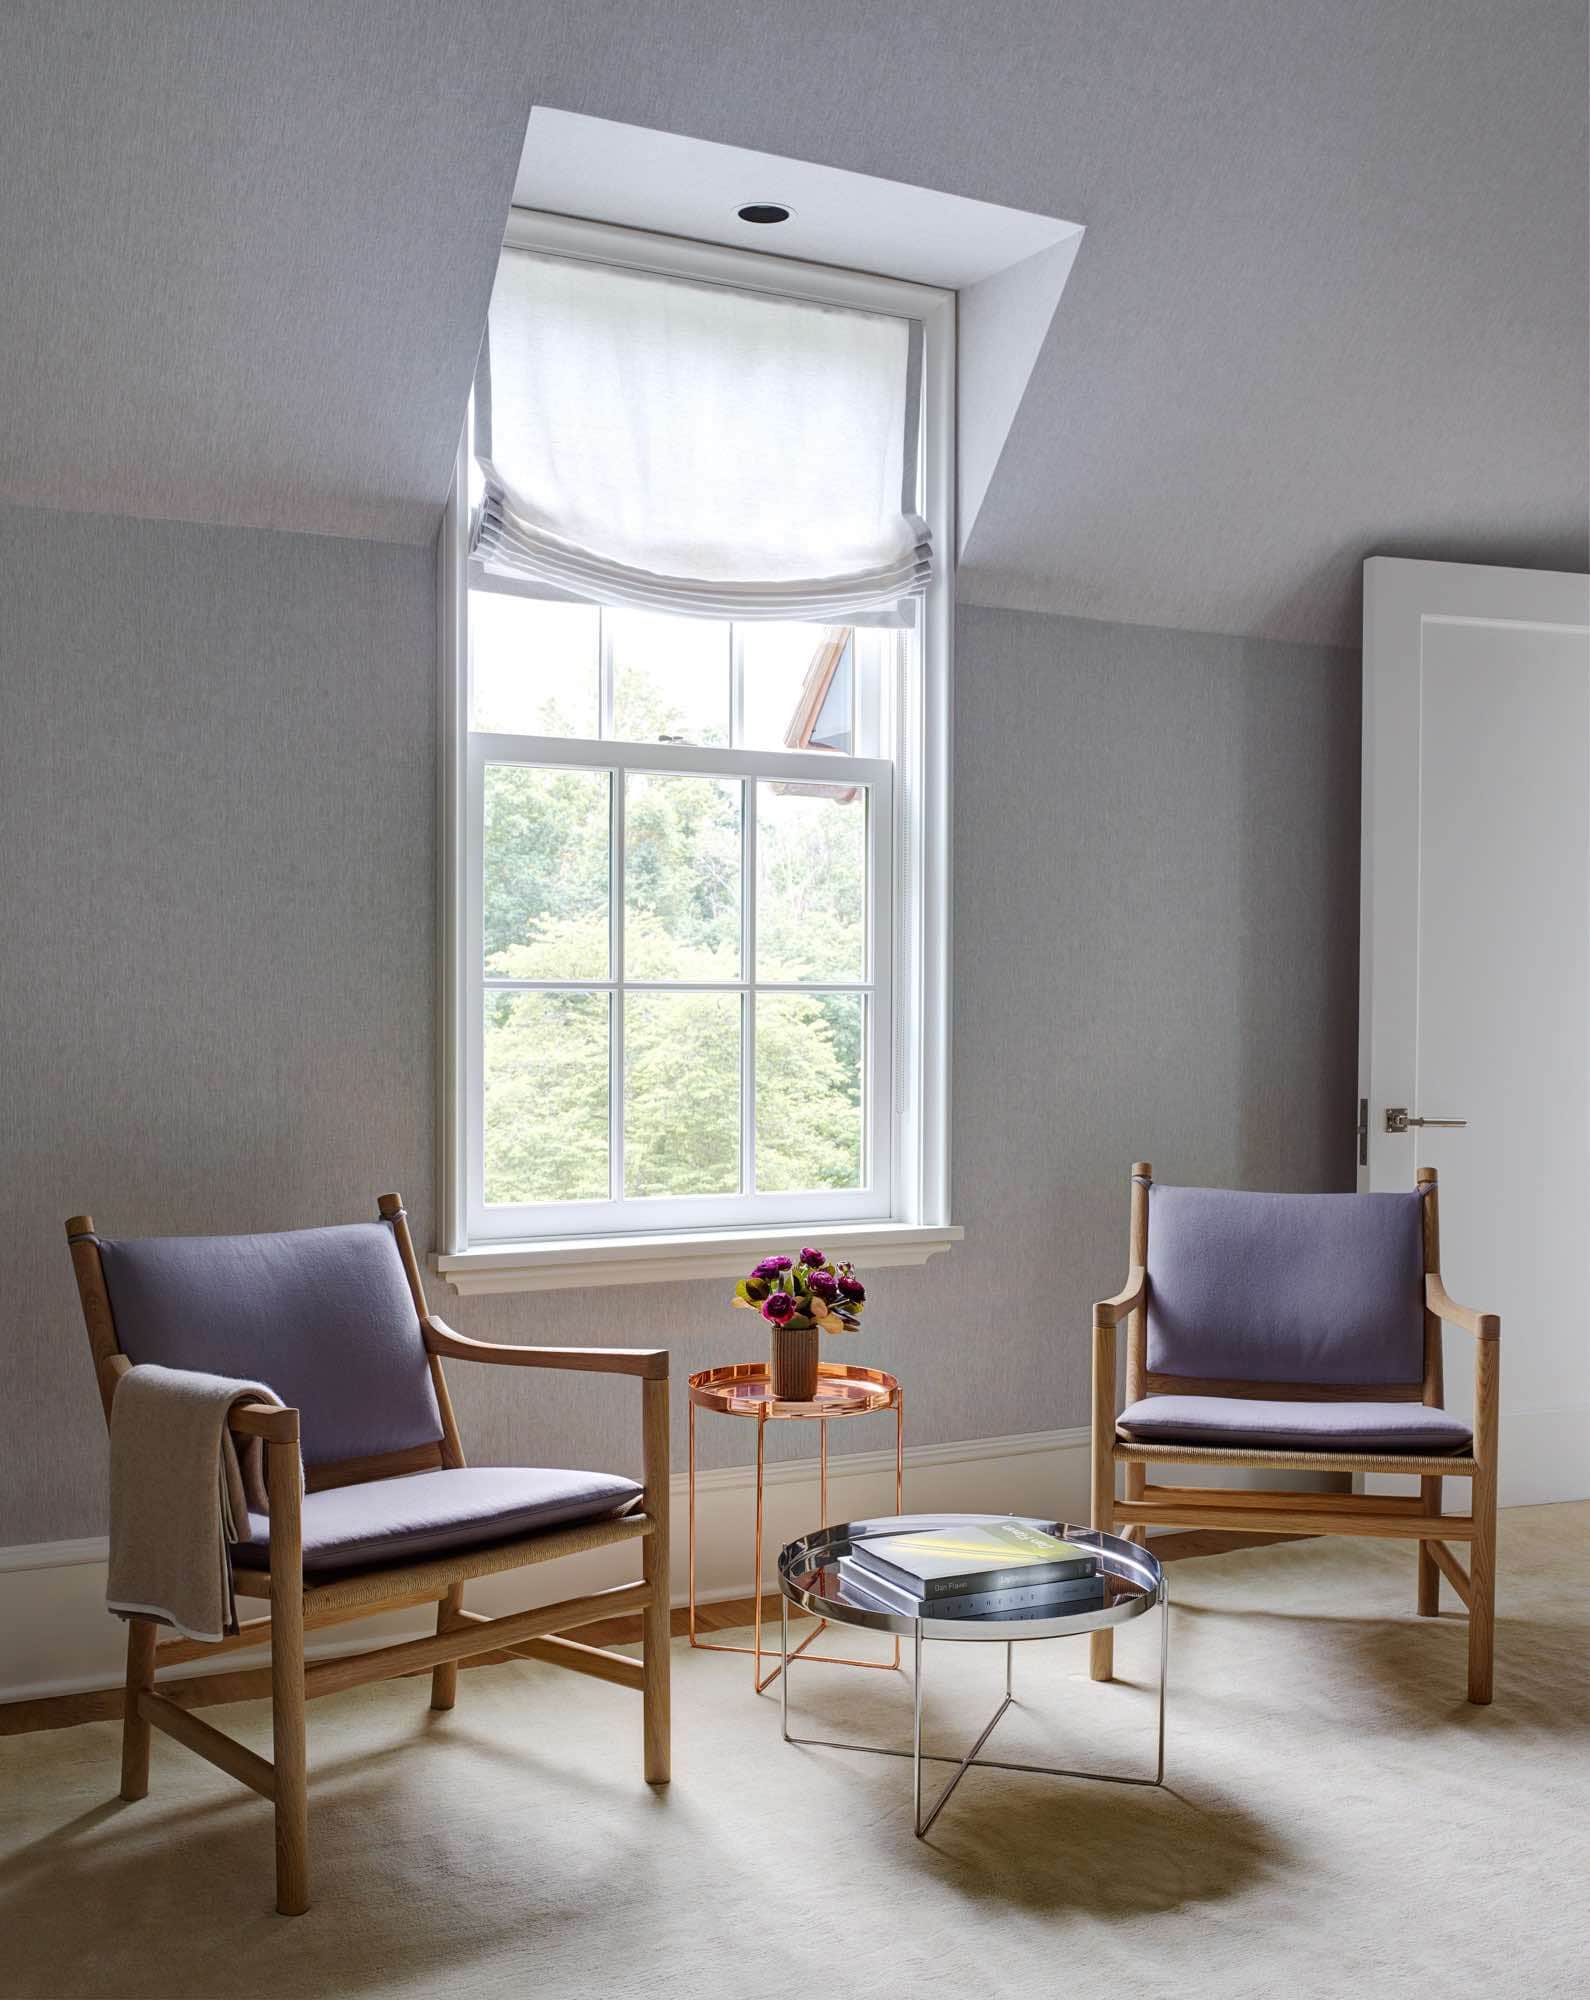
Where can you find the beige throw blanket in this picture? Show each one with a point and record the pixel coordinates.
(180, 1493)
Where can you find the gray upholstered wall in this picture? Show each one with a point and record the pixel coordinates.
(217, 965)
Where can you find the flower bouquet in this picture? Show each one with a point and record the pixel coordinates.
(801, 1297)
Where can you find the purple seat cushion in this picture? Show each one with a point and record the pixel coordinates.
(1285, 1287)
(423, 1513)
(325, 1316)
(1239, 1420)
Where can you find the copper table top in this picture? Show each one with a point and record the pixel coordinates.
(744, 1389)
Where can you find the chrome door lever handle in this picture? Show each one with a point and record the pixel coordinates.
(1397, 1120)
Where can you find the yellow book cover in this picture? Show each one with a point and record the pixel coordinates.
(940, 1562)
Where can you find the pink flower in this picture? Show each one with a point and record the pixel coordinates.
(779, 1308)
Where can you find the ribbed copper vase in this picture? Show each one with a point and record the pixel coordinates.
(794, 1364)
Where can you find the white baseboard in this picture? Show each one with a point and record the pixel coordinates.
(56, 1636)
(1545, 1455)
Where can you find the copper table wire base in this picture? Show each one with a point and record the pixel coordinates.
(744, 1389)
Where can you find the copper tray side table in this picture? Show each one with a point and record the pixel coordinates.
(744, 1389)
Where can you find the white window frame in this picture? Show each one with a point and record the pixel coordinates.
(902, 1216)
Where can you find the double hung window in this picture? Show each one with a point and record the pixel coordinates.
(695, 863)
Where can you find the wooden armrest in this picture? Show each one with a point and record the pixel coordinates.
(264, 1420)
(1483, 1326)
(1109, 1312)
(651, 1363)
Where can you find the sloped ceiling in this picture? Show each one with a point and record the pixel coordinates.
(1331, 301)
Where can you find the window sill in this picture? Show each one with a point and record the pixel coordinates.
(651, 1260)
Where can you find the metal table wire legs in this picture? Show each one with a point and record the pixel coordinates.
(926, 1814)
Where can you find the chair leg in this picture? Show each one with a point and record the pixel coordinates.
(1482, 1591)
(1429, 1575)
(1482, 1610)
(288, 1721)
(444, 1679)
(1429, 1583)
(291, 1763)
(1101, 1645)
(1482, 1550)
(656, 1625)
(655, 1692)
(142, 1634)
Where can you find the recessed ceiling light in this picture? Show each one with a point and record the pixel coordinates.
(763, 211)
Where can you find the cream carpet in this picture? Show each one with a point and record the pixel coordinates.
(1339, 1821)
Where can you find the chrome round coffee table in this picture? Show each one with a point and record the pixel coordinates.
(810, 1579)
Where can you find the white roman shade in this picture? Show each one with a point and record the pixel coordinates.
(654, 441)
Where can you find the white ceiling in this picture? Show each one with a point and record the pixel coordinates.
(1332, 298)
(604, 171)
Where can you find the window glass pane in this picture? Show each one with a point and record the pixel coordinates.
(670, 678)
(681, 1093)
(546, 1070)
(809, 1069)
(533, 667)
(682, 878)
(798, 687)
(811, 882)
(544, 892)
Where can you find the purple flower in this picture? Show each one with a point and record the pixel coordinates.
(852, 1289)
(770, 1267)
(813, 1257)
(779, 1308)
(823, 1284)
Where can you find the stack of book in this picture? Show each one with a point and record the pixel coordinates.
(1000, 1569)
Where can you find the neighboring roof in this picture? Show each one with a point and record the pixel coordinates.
(1331, 301)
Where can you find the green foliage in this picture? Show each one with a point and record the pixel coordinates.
(546, 863)
(546, 1054)
(808, 1104)
(546, 1097)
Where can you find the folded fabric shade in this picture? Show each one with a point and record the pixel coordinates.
(688, 447)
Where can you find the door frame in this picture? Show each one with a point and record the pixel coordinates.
(1401, 596)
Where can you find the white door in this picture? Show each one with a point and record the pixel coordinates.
(1475, 993)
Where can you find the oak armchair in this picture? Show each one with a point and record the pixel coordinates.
(387, 1513)
(1297, 1332)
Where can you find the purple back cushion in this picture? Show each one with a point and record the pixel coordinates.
(324, 1316)
(1285, 1287)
